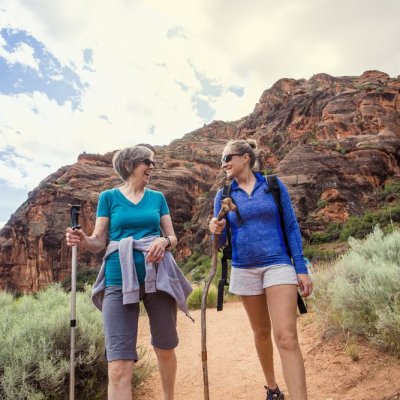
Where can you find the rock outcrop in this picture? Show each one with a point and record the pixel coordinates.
(333, 140)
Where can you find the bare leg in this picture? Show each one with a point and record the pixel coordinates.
(282, 304)
(167, 367)
(257, 311)
(119, 379)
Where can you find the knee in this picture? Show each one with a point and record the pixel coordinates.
(262, 334)
(164, 354)
(120, 372)
(286, 339)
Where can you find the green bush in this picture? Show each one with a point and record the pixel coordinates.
(360, 293)
(83, 278)
(35, 346)
(392, 186)
(359, 227)
(196, 266)
(321, 203)
(313, 253)
(194, 300)
(268, 171)
(331, 234)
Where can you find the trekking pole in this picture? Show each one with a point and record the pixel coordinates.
(75, 225)
(226, 205)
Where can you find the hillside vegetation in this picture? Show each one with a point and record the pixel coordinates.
(360, 293)
(35, 343)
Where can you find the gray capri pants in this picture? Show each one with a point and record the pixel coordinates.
(120, 322)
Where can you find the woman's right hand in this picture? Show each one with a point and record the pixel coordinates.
(75, 236)
(216, 227)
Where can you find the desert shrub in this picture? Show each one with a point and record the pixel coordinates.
(331, 234)
(392, 186)
(359, 227)
(314, 253)
(83, 278)
(194, 300)
(360, 292)
(35, 345)
(268, 171)
(321, 203)
(196, 266)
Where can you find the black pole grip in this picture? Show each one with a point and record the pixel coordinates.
(75, 211)
(301, 304)
(220, 298)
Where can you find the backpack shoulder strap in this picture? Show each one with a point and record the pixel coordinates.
(275, 190)
(226, 192)
(273, 187)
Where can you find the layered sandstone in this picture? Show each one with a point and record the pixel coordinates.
(334, 141)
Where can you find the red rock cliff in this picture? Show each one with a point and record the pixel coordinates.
(333, 140)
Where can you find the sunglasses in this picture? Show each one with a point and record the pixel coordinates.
(228, 157)
(148, 162)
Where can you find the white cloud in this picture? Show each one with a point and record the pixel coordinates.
(2, 223)
(143, 78)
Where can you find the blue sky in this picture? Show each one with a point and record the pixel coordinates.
(27, 67)
(72, 80)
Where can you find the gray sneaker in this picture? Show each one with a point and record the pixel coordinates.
(274, 394)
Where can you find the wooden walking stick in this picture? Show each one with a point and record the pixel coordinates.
(74, 225)
(226, 205)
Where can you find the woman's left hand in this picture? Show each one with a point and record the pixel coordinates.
(305, 284)
(157, 250)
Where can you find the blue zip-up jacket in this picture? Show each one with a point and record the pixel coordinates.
(258, 241)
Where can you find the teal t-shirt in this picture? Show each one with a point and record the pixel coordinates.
(128, 219)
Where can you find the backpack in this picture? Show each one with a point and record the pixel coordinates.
(273, 187)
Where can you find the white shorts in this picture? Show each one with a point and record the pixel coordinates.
(253, 281)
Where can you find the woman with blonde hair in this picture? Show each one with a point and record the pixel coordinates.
(263, 274)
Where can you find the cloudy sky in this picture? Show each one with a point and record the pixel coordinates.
(98, 75)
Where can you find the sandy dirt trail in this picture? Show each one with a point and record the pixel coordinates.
(235, 373)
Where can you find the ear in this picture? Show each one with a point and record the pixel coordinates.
(246, 157)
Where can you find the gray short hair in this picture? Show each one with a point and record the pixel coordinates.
(125, 161)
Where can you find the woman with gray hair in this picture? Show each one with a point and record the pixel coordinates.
(137, 267)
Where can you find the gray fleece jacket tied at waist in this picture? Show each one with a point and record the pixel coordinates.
(165, 275)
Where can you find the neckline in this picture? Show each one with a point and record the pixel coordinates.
(255, 184)
(251, 191)
(130, 201)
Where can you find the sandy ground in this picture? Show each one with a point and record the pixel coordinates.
(234, 371)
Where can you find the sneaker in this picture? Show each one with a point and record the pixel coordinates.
(274, 394)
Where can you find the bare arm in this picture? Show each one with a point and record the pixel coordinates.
(168, 230)
(95, 242)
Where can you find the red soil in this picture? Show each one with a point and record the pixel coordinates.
(234, 371)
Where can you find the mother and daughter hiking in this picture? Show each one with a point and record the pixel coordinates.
(267, 268)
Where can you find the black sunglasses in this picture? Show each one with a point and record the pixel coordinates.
(148, 162)
(228, 157)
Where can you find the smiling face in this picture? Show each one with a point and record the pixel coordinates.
(233, 162)
(144, 169)
(134, 162)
